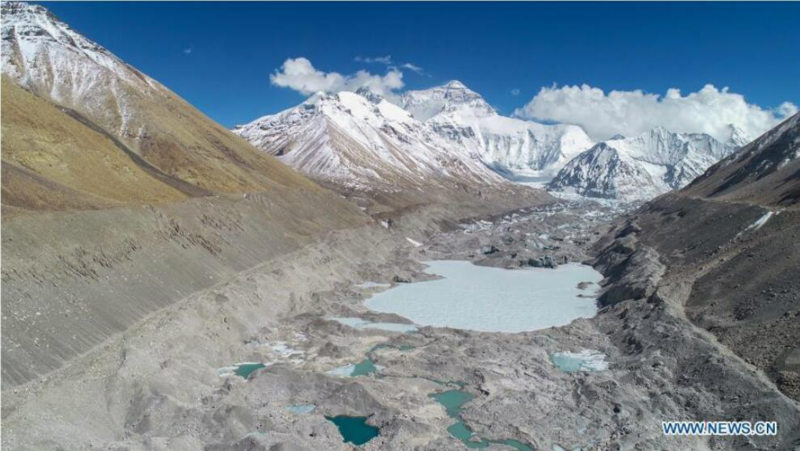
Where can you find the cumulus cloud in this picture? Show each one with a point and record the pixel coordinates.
(387, 60)
(300, 75)
(602, 115)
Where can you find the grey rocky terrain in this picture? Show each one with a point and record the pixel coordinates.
(158, 385)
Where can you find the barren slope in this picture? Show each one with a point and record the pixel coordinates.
(53, 161)
(728, 238)
(148, 123)
(102, 227)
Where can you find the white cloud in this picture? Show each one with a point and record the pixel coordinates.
(387, 60)
(187, 51)
(414, 68)
(515, 92)
(602, 115)
(300, 75)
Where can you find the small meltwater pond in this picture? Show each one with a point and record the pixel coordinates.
(586, 360)
(358, 323)
(453, 400)
(494, 299)
(366, 366)
(243, 370)
(354, 430)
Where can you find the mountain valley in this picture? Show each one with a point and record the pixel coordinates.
(169, 284)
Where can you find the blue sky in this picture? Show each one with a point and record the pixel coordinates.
(219, 56)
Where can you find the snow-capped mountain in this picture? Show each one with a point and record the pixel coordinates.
(514, 148)
(640, 167)
(363, 140)
(363, 143)
(50, 59)
(765, 171)
(738, 138)
(427, 103)
(107, 133)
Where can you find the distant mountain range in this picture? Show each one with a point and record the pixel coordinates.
(640, 167)
(361, 140)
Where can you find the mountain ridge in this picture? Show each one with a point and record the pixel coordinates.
(766, 171)
(640, 167)
(363, 143)
(461, 136)
(158, 131)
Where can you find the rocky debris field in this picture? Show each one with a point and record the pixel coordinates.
(171, 382)
(544, 236)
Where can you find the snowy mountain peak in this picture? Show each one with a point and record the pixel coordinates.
(659, 131)
(737, 137)
(372, 108)
(455, 84)
(50, 59)
(461, 128)
(33, 37)
(369, 94)
(426, 103)
(24, 19)
(640, 167)
(347, 139)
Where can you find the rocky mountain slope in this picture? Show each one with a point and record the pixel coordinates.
(766, 172)
(143, 136)
(118, 196)
(725, 251)
(641, 167)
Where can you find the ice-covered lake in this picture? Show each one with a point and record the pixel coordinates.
(493, 299)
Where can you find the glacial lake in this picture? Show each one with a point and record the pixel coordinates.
(354, 430)
(494, 299)
(452, 401)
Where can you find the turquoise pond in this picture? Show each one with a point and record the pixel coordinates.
(366, 366)
(354, 430)
(453, 400)
(246, 369)
(493, 299)
(243, 370)
(362, 368)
